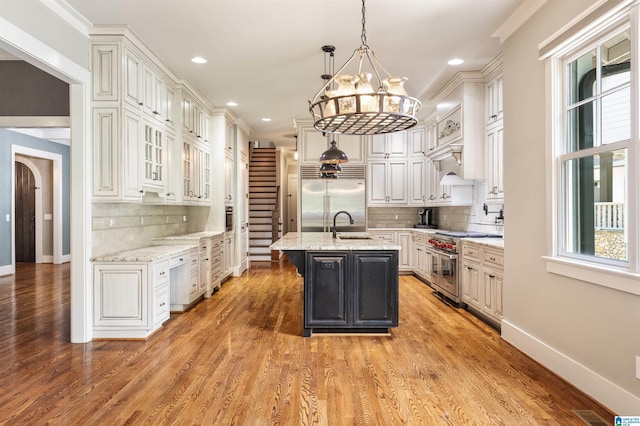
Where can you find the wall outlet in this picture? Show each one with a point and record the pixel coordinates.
(637, 367)
(8, 218)
(184, 218)
(396, 217)
(112, 222)
(141, 220)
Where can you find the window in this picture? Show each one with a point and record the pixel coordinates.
(593, 156)
(594, 153)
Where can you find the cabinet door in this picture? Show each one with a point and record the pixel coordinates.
(120, 296)
(168, 106)
(492, 286)
(130, 148)
(353, 146)
(377, 146)
(494, 178)
(405, 255)
(417, 181)
(153, 158)
(313, 145)
(417, 143)
(377, 183)
(228, 180)
(494, 100)
(326, 293)
(106, 165)
(187, 170)
(132, 79)
(397, 144)
(375, 292)
(173, 175)
(471, 284)
(397, 184)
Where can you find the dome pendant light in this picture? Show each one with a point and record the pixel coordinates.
(333, 155)
(356, 106)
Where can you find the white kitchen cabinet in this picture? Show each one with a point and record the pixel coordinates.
(153, 159)
(174, 168)
(421, 257)
(129, 169)
(312, 143)
(185, 280)
(130, 299)
(217, 251)
(495, 160)
(405, 259)
(388, 145)
(229, 179)
(132, 77)
(153, 93)
(460, 122)
(168, 107)
(493, 92)
(387, 182)
(417, 141)
(418, 181)
(196, 171)
(229, 254)
(482, 280)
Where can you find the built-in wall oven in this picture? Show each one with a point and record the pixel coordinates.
(443, 249)
(228, 218)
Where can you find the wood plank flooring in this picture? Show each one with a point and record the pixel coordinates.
(239, 358)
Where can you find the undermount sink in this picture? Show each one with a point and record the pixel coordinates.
(354, 237)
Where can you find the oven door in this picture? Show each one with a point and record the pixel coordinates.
(445, 274)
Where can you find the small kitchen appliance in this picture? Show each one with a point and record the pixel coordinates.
(425, 219)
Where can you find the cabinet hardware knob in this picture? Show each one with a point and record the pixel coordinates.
(167, 120)
(156, 112)
(492, 276)
(140, 103)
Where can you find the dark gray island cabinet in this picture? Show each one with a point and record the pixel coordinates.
(350, 291)
(348, 288)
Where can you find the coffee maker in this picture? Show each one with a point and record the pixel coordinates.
(425, 219)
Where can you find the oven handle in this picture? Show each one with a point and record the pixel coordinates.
(449, 256)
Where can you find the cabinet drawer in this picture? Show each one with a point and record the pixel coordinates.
(383, 236)
(161, 272)
(418, 239)
(471, 252)
(493, 258)
(178, 260)
(161, 308)
(193, 260)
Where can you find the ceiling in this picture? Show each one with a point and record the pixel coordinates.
(266, 54)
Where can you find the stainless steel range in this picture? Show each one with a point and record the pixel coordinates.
(443, 248)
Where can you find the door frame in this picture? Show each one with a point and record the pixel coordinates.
(25, 46)
(58, 258)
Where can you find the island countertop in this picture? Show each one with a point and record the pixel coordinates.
(307, 241)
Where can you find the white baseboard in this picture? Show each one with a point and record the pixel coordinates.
(65, 258)
(7, 270)
(46, 259)
(612, 396)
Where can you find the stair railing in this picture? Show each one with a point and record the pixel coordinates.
(275, 217)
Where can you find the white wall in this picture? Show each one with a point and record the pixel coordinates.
(585, 333)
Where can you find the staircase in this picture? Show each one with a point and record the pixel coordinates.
(263, 194)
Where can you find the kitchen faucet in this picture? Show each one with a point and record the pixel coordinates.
(334, 221)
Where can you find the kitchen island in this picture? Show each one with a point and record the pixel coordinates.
(350, 282)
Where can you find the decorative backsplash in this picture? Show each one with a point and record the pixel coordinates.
(124, 226)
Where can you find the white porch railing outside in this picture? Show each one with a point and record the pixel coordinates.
(609, 216)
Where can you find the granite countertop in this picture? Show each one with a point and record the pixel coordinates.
(489, 242)
(144, 254)
(195, 236)
(324, 241)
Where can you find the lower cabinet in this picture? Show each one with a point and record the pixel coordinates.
(185, 280)
(131, 300)
(482, 282)
(347, 290)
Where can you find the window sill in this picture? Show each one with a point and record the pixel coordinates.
(594, 274)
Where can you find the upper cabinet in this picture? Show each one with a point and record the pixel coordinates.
(312, 143)
(151, 133)
(460, 127)
(494, 132)
(388, 145)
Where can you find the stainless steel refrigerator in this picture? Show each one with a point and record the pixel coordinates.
(322, 199)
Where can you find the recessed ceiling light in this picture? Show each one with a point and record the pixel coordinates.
(198, 60)
(232, 104)
(266, 119)
(456, 61)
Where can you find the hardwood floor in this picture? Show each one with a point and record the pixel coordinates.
(239, 358)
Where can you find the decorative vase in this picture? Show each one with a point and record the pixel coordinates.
(364, 88)
(346, 87)
(394, 86)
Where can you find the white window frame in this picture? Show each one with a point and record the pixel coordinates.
(575, 40)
